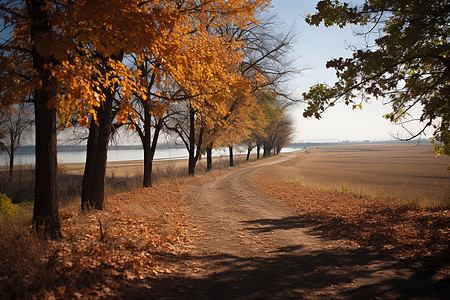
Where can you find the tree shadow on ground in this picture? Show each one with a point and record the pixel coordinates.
(397, 231)
(291, 272)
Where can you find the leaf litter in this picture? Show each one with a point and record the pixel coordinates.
(404, 231)
(123, 245)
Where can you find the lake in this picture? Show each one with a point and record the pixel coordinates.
(77, 154)
(25, 155)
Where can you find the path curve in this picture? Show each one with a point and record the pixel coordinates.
(251, 246)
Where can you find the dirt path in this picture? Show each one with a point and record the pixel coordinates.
(251, 246)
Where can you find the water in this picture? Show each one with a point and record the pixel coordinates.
(77, 154)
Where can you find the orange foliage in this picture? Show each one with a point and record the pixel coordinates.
(87, 35)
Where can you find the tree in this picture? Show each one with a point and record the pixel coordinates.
(278, 133)
(408, 65)
(14, 122)
(285, 130)
(93, 188)
(150, 114)
(210, 76)
(47, 54)
(184, 123)
(28, 53)
(272, 111)
(265, 65)
(45, 213)
(242, 118)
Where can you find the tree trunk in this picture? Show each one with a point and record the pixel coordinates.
(96, 190)
(266, 151)
(192, 162)
(149, 151)
(231, 156)
(148, 163)
(45, 211)
(248, 153)
(146, 140)
(209, 157)
(258, 149)
(86, 190)
(101, 152)
(11, 166)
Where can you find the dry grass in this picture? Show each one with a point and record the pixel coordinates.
(120, 177)
(101, 252)
(25, 260)
(402, 172)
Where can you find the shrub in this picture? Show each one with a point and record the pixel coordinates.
(6, 207)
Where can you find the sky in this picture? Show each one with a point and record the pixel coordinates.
(314, 46)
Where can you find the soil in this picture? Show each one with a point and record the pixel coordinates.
(249, 245)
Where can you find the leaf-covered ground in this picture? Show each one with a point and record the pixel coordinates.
(119, 247)
(401, 230)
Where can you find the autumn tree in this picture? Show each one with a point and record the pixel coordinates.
(151, 111)
(14, 122)
(268, 101)
(266, 65)
(283, 133)
(48, 55)
(116, 29)
(408, 64)
(208, 83)
(67, 56)
(31, 47)
(278, 133)
(192, 61)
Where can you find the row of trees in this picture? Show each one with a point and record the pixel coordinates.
(207, 70)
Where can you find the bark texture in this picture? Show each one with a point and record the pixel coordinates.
(45, 212)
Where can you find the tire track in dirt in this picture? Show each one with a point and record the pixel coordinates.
(251, 246)
(231, 212)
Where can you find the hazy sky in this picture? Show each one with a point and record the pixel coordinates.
(314, 46)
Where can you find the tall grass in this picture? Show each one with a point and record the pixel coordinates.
(398, 172)
(26, 261)
(118, 180)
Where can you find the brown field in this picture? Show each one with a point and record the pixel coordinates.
(406, 172)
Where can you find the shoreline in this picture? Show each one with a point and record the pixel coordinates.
(127, 167)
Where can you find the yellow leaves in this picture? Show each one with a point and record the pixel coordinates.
(84, 121)
(159, 109)
(126, 112)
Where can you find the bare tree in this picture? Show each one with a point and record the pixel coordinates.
(267, 53)
(183, 122)
(14, 122)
